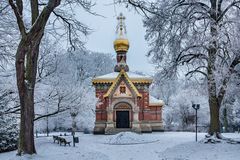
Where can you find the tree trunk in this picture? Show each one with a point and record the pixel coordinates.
(26, 141)
(213, 102)
(212, 91)
(26, 68)
(211, 70)
(214, 117)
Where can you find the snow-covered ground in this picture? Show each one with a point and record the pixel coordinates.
(155, 146)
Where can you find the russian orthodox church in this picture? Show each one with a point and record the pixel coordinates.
(124, 102)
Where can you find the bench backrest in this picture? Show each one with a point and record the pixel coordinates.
(62, 139)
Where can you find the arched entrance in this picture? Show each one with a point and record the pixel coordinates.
(123, 115)
(122, 119)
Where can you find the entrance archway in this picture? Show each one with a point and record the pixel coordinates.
(123, 115)
(122, 119)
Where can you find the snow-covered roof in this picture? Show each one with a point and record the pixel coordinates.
(114, 75)
(155, 101)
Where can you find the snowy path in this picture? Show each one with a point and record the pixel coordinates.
(171, 146)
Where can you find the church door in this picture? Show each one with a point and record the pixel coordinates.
(122, 119)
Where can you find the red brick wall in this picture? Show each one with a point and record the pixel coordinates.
(101, 113)
(146, 112)
(155, 113)
(143, 105)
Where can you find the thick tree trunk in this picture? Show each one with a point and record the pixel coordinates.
(213, 101)
(214, 116)
(211, 71)
(26, 141)
(26, 68)
(212, 93)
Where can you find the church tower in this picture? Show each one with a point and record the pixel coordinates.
(121, 45)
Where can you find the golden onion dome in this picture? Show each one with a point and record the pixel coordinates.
(121, 44)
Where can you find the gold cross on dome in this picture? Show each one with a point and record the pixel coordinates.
(121, 18)
(121, 24)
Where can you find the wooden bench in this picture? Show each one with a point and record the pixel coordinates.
(63, 141)
(60, 140)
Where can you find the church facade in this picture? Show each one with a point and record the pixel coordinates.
(124, 101)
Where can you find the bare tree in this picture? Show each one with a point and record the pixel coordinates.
(8, 38)
(74, 77)
(202, 36)
(27, 53)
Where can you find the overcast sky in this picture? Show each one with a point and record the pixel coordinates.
(104, 33)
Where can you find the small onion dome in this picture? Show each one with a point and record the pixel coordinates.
(121, 44)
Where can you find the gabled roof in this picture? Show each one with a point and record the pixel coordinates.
(110, 78)
(115, 82)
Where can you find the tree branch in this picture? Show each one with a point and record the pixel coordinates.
(189, 57)
(50, 114)
(201, 4)
(227, 9)
(219, 7)
(34, 10)
(180, 56)
(196, 71)
(69, 27)
(231, 70)
(141, 7)
(59, 110)
(15, 111)
(42, 19)
(2, 9)
(19, 4)
(18, 14)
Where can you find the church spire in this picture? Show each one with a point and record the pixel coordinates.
(121, 45)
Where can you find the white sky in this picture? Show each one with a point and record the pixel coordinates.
(104, 33)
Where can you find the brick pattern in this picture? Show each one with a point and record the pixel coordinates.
(146, 112)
